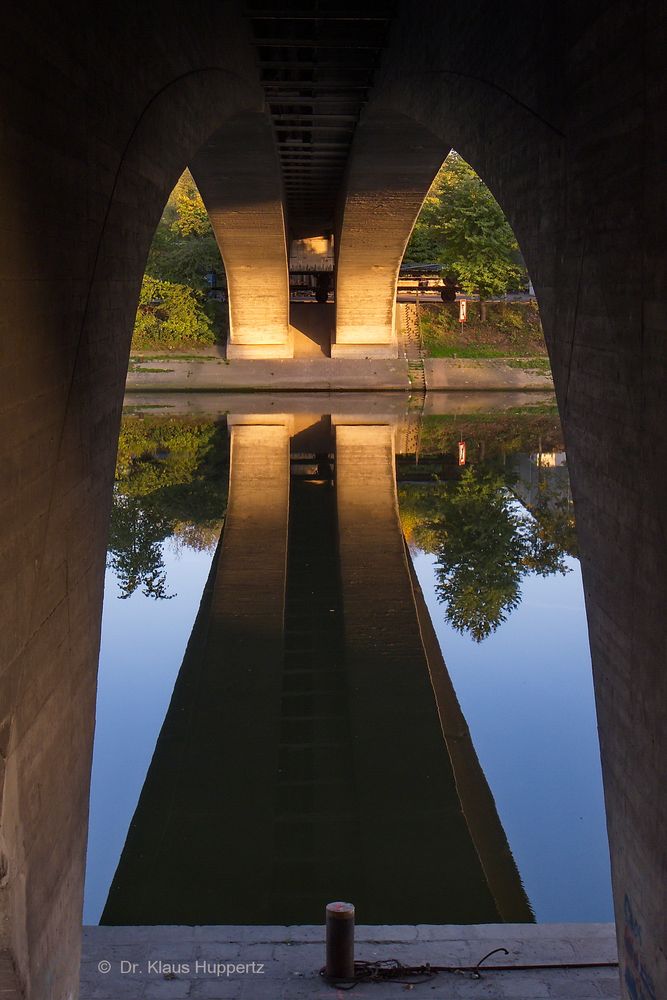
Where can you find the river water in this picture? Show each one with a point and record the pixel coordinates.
(344, 698)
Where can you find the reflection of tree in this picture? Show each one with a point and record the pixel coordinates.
(484, 543)
(171, 481)
(555, 530)
(479, 555)
(135, 547)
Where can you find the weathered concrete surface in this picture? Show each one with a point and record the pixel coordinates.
(472, 374)
(550, 117)
(9, 988)
(238, 176)
(211, 373)
(314, 373)
(291, 958)
(95, 134)
(383, 195)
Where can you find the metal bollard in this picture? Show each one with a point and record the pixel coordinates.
(340, 941)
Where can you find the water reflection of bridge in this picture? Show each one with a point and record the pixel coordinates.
(314, 746)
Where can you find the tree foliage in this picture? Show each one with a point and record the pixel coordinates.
(174, 309)
(170, 315)
(171, 482)
(462, 227)
(184, 248)
(485, 543)
(135, 548)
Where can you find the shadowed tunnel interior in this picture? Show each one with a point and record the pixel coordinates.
(561, 111)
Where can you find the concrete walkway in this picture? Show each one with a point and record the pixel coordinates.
(282, 963)
(210, 373)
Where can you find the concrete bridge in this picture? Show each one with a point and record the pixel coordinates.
(328, 120)
(314, 746)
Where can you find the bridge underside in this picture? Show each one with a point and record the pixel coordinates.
(562, 114)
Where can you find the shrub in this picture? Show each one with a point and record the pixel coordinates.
(170, 315)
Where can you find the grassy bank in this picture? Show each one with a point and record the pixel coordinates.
(511, 330)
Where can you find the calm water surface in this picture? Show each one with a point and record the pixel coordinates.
(493, 548)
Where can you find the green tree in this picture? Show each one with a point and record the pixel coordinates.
(462, 227)
(169, 315)
(174, 310)
(184, 248)
(190, 215)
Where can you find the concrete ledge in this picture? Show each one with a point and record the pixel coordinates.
(389, 350)
(291, 957)
(261, 352)
(455, 374)
(211, 373)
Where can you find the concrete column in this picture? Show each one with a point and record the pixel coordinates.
(238, 176)
(201, 840)
(392, 164)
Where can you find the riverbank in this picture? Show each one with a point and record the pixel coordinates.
(211, 373)
(509, 329)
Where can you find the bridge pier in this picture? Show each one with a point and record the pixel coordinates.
(393, 161)
(238, 176)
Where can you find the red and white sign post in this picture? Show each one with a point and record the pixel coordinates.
(463, 310)
(462, 453)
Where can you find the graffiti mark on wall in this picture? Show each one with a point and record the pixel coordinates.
(638, 982)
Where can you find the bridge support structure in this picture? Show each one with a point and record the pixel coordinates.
(393, 161)
(238, 176)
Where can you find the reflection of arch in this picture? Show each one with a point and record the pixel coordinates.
(393, 161)
(238, 175)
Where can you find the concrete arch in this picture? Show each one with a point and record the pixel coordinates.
(581, 185)
(392, 164)
(89, 229)
(238, 175)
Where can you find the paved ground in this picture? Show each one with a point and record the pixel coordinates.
(282, 963)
